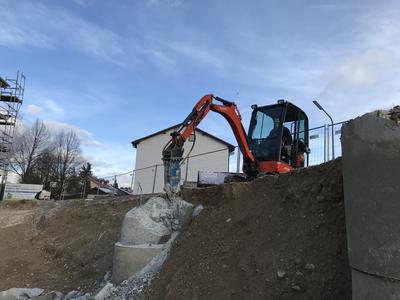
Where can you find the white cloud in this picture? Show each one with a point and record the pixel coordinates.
(112, 159)
(85, 137)
(53, 108)
(33, 109)
(173, 3)
(49, 27)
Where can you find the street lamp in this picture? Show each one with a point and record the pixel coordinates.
(333, 136)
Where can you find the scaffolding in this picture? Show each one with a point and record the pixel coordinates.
(11, 98)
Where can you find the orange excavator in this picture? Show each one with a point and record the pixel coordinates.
(277, 139)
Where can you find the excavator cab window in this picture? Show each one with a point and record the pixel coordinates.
(265, 133)
(279, 132)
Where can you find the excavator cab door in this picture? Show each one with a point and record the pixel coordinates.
(278, 137)
(297, 122)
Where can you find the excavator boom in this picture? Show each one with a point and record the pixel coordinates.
(173, 152)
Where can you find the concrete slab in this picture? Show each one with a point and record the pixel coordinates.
(371, 165)
(368, 287)
(129, 260)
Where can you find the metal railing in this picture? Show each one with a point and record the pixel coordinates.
(322, 148)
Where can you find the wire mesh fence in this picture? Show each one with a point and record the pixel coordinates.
(325, 143)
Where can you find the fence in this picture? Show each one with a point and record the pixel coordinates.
(150, 179)
(323, 147)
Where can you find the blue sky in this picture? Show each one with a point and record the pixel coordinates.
(115, 71)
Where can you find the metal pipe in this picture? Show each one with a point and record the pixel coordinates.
(154, 179)
(327, 142)
(238, 160)
(187, 169)
(133, 176)
(324, 142)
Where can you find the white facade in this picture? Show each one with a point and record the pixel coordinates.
(149, 152)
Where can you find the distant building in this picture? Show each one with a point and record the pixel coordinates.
(101, 187)
(149, 178)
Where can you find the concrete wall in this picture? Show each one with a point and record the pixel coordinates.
(148, 153)
(371, 164)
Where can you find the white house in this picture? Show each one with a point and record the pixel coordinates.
(209, 154)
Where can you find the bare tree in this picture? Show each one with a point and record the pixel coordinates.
(27, 148)
(67, 155)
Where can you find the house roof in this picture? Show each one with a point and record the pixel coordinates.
(136, 142)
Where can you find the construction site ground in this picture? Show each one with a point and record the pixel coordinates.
(277, 237)
(62, 245)
(273, 238)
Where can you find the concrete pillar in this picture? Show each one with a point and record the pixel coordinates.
(371, 165)
(146, 232)
(129, 260)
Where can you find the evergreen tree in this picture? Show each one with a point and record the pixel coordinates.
(84, 174)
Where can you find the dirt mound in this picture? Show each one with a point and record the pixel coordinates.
(273, 238)
(63, 246)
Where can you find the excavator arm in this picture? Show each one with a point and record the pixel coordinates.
(173, 152)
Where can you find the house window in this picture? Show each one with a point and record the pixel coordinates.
(191, 138)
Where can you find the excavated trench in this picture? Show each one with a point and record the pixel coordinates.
(273, 238)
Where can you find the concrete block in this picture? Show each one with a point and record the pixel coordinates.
(129, 260)
(371, 165)
(369, 287)
(148, 223)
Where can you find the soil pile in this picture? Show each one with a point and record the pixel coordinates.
(273, 238)
(67, 245)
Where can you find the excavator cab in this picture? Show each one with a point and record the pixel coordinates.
(278, 137)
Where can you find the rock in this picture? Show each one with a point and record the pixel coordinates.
(296, 288)
(298, 273)
(104, 292)
(70, 295)
(197, 210)
(281, 274)
(309, 267)
(54, 295)
(147, 223)
(15, 293)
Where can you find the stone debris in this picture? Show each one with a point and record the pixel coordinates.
(20, 293)
(296, 288)
(151, 222)
(197, 210)
(281, 274)
(54, 295)
(71, 295)
(309, 267)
